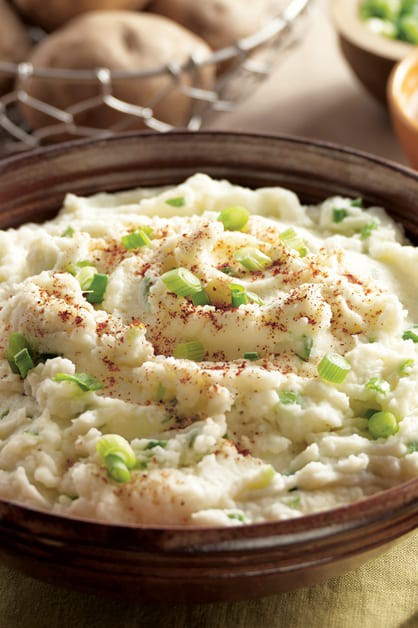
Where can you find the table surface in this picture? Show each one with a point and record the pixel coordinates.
(313, 94)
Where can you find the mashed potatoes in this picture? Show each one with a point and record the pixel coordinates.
(206, 355)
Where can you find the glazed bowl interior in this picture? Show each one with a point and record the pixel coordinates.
(197, 564)
(371, 56)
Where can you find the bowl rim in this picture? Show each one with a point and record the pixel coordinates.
(403, 498)
(349, 25)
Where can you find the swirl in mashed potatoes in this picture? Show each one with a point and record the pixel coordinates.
(123, 401)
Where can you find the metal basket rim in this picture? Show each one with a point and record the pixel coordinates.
(293, 10)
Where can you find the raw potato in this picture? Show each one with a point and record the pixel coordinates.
(50, 14)
(218, 22)
(14, 41)
(119, 40)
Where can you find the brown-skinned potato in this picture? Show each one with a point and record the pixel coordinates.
(14, 41)
(118, 40)
(218, 22)
(51, 14)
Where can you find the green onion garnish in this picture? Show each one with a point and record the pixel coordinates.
(338, 215)
(405, 367)
(228, 270)
(382, 424)
(379, 385)
(192, 350)
(357, 202)
(97, 289)
(238, 294)
(91, 282)
(410, 334)
(19, 348)
(182, 282)
(136, 240)
(238, 516)
(116, 444)
(306, 349)
(85, 277)
(288, 397)
(293, 241)
(252, 258)
(412, 447)
(254, 298)
(156, 443)
(68, 232)
(251, 355)
(234, 218)
(294, 502)
(159, 396)
(333, 368)
(24, 362)
(177, 201)
(366, 231)
(117, 469)
(200, 298)
(86, 382)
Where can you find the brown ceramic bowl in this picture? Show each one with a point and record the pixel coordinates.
(370, 56)
(403, 104)
(177, 564)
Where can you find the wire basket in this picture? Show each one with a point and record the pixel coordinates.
(250, 61)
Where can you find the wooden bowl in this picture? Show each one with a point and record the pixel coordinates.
(402, 94)
(195, 564)
(370, 56)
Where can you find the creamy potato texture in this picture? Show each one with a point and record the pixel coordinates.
(122, 400)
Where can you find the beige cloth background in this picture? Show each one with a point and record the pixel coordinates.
(312, 93)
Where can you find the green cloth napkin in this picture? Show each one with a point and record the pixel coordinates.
(381, 594)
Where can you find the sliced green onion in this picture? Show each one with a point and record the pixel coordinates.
(306, 348)
(357, 202)
(4, 414)
(252, 258)
(17, 344)
(159, 396)
(410, 334)
(200, 298)
(68, 232)
(156, 443)
(408, 29)
(234, 218)
(366, 231)
(338, 215)
(379, 385)
(251, 355)
(182, 282)
(412, 447)
(405, 367)
(97, 289)
(238, 516)
(294, 502)
(177, 201)
(116, 445)
(370, 412)
(254, 298)
(288, 397)
(24, 362)
(333, 368)
(86, 382)
(228, 270)
(85, 277)
(238, 294)
(293, 241)
(117, 469)
(382, 424)
(136, 240)
(192, 350)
